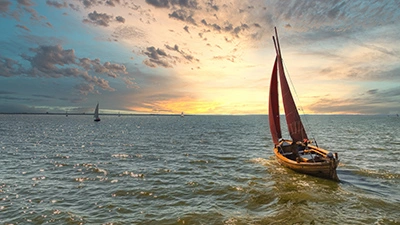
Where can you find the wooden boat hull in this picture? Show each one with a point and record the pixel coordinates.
(325, 168)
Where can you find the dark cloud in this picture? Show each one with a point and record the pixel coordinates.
(389, 95)
(4, 6)
(23, 27)
(34, 14)
(183, 54)
(48, 57)
(112, 2)
(157, 57)
(228, 27)
(175, 48)
(9, 67)
(179, 14)
(185, 3)
(158, 3)
(212, 5)
(166, 3)
(186, 28)
(56, 4)
(56, 62)
(89, 3)
(372, 91)
(120, 19)
(85, 89)
(74, 7)
(111, 69)
(25, 2)
(335, 12)
(373, 102)
(101, 19)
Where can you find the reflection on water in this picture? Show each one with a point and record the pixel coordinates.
(191, 170)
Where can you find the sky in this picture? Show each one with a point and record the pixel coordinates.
(197, 57)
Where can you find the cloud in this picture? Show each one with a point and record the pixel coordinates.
(9, 67)
(48, 57)
(372, 91)
(374, 102)
(23, 27)
(158, 3)
(56, 4)
(89, 3)
(112, 2)
(101, 19)
(34, 14)
(176, 3)
(157, 57)
(183, 54)
(73, 7)
(25, 2)
(4, 6)
(111, 69)
(183, 16)
(56, 62)
(120, 19)
(86, 88)
(186, 28)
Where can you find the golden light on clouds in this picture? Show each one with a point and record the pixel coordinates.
(186, 105)
(206, 57)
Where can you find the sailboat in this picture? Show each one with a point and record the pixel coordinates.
(96, 113)
(298, 153)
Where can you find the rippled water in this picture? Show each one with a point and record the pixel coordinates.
(192, 170)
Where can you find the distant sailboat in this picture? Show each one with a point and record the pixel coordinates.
(96, 113)
(182, 115)
(297, 154)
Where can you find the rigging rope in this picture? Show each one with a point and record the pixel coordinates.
(300, 107)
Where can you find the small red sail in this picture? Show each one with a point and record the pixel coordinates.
(273, 111)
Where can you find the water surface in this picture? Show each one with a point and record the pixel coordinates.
(192, 170)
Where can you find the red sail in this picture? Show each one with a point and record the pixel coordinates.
(295, 126)
(273, 113)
